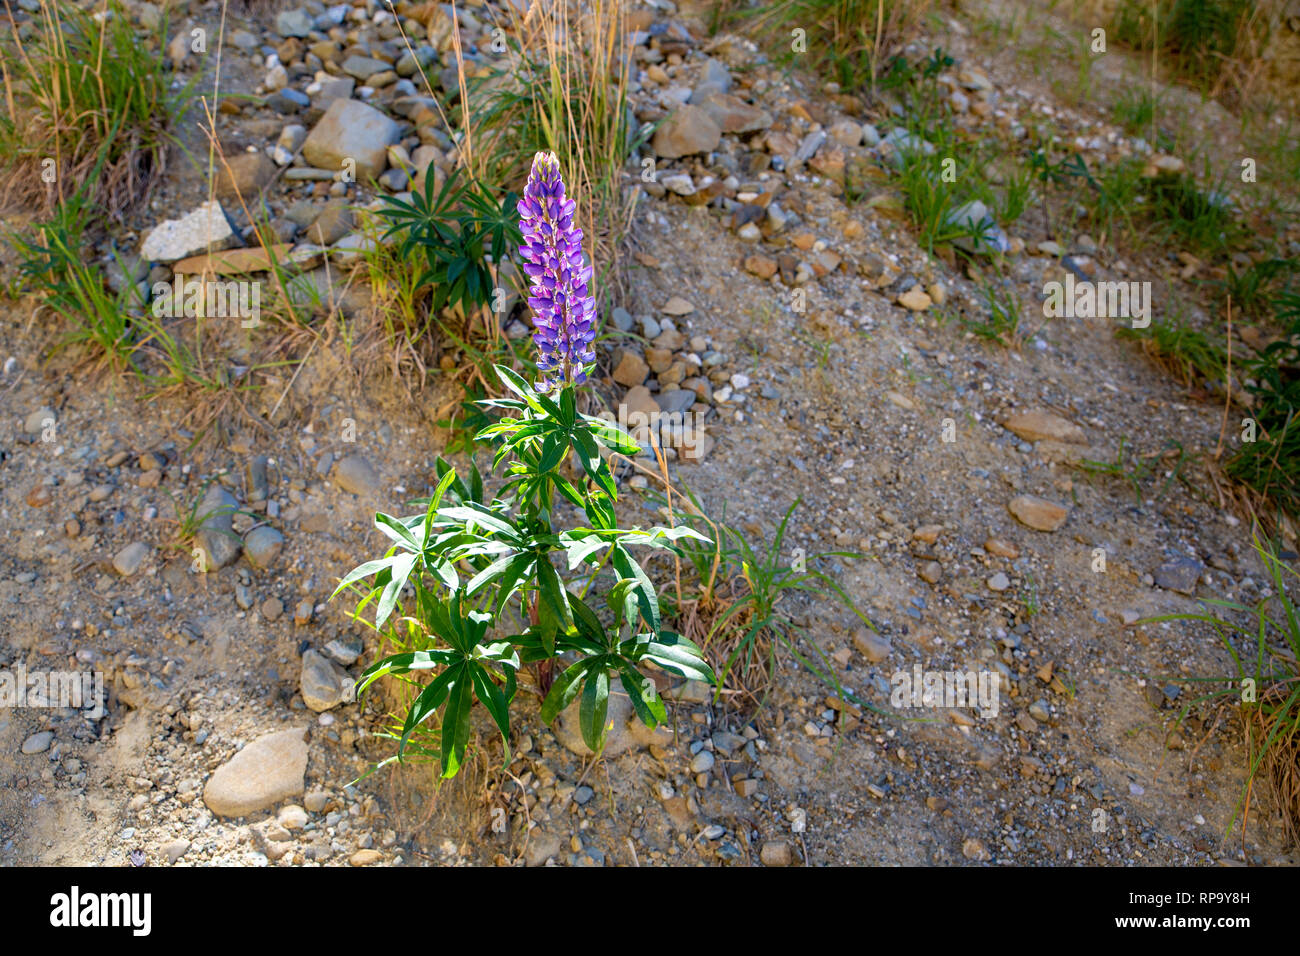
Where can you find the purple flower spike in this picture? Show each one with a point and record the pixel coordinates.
(564, 312)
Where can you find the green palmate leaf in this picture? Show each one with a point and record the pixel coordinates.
(482, 517)
(622, 600)
(509, 582)
(445, 483)
(475, 483)
(531, 647)
(568, 408)
(401, 568)
(439, 621)
(600, 511)
(537, 401)
(647, 703)
(594, 707)
(611, 436)
(496, 703)
(397, 531)
(491, 573)
(444, 570)
(459, 491)
(474, 627)
(499, 652)
(585, 447)
(647, 599)
(553, 450)
(570, 493)
(579, 550)
(412, 524)
(403, 664)
(427, 703)
(544, 405)
(515, 382)
(587, 624)
(548, 627)
(363, 571)
(565, 689)
(554, 594)
(673, 653)
(659, 537)
(507, 404)
(456, 721)
(515, 432)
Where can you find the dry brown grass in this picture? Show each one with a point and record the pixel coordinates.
(1277, 762)
(87, 106)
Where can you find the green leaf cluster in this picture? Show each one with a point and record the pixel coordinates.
(460, 228)
(478, 585)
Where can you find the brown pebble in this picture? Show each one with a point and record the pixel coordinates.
(1002, 549)
(1038, 513)
(776, 853)
(761, 266)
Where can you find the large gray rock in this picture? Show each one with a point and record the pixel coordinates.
(734, 115)
(355, 474)
(440, 27)
(127, 561)
(334, 222)
(716, 79)
(351, 129)
(542, 846)
(688, 130)
(411, 63)
(247, 176)
(322, 684)
(263, 545)
(293, 23)
(364, 67)
(1039, 425)
(327, 89)
(206, 229)
(625, 730)
(676, 400)
(1180, 575)
(216, 537)
(345, 650)
(36, 422)
(38, 743)
(268, 770)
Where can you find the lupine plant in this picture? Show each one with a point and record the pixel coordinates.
(470, 584)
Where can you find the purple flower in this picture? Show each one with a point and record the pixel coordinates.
(564, 313)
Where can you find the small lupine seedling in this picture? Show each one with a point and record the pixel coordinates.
(459, 228)
(488, 597)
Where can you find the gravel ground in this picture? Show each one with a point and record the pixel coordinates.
(815, 341)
